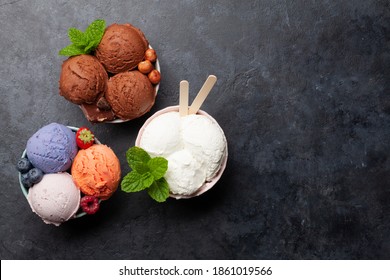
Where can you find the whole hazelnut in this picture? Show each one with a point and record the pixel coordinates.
(145, 66)
(154, 77)
(150, 55)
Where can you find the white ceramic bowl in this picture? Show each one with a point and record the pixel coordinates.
(80, 212)
(208, 184)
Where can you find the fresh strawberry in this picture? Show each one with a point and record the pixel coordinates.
(84, 138)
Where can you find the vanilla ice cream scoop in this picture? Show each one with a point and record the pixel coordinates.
(194, 145)
(185, 174)
(163, 135)
(206, 141)
(55, 198)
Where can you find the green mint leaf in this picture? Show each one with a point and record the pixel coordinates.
(148, 173)
(95, 31)
(83, 43)
(134, 182)
(71, 50)
(141, 168)
(158, 166)
(159, 190)
(136, 155)
(90, 47)
(77, 37)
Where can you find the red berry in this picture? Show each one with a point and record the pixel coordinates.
(89, 204)
(84, 138)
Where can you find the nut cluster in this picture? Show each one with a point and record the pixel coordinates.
(146, 66)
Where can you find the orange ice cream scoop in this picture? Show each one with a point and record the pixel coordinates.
(96, 171)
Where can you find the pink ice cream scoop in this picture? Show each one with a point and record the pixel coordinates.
(55, 198)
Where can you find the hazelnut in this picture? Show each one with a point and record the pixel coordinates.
(150, 55)
(145, 66)
(154, 77)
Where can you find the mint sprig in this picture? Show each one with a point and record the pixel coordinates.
(84, 42)
(147, 173)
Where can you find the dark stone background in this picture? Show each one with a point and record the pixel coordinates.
(303, 98)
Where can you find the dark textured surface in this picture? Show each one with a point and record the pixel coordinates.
(303, 98)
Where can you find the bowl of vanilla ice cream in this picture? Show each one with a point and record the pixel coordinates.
(194, 145)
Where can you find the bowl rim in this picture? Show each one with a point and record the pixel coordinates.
(208, 184)
(80, 213)
(156, 88)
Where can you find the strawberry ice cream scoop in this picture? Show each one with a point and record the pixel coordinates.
(96, 171)
(52, 148)
(55, 198)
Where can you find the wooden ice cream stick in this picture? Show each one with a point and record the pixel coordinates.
(202, 94)
(183, 99)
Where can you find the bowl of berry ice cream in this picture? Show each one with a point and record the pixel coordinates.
(60, 173)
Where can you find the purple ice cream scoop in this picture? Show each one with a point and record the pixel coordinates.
(52, 148)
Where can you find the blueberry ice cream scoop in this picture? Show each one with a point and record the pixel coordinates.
(52, 148)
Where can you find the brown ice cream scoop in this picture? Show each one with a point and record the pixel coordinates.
(130, 94)
(122, 47)
(82, 79)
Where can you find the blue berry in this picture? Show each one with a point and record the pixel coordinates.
(26, 180)
(24, 165)
(35, 175)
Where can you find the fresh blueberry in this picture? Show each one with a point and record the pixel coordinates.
(26, 180)
(35, 175)
(24, 165)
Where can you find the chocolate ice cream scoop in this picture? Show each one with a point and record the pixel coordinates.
(130, 94)
(122, 47)
(83, 79)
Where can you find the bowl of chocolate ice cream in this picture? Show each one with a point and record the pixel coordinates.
(118, 81)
